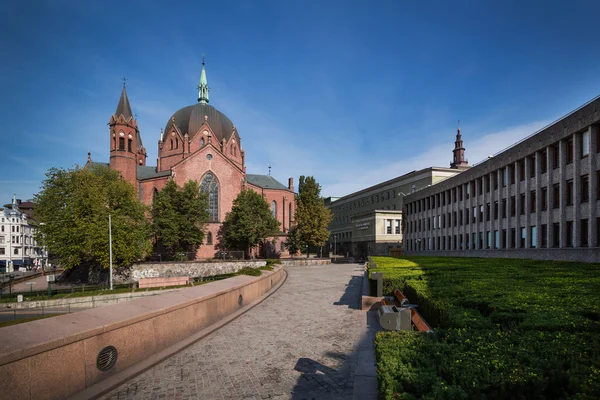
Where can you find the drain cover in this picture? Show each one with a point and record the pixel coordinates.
(107, 358)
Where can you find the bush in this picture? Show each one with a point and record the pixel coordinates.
(271, 262)
(505, 329)
(249, 271)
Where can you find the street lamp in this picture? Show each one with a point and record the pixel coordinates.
(43, 246)
(110, 250)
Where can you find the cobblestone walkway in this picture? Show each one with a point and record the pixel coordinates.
(300, 343)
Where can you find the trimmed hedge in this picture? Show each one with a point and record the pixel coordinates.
(505, 329)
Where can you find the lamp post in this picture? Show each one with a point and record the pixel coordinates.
(110, 250)
(43, 246)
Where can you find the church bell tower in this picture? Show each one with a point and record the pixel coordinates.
(126, 150)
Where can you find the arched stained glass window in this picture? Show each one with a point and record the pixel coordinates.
(209, 238)
(211, 186)
(274, 209)
(202, 142)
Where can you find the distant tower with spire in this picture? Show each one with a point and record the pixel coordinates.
(203, 86)
(459, 160)
(126, 148)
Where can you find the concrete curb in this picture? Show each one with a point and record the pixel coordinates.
(366, 386)
(105, 386)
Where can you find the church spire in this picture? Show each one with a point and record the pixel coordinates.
(124, 108)
(203, 86)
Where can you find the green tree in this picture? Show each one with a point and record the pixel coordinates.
(179, 217)
(249, 223)
(73, 207)
(312, 217)
(294, 242)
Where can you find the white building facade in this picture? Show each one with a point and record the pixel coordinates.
(18, 246)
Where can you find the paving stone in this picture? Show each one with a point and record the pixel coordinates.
(300, 343)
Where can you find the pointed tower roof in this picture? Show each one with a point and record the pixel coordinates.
(124, 108)
(203, 86)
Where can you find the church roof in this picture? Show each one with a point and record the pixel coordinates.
(98, 164)
(124, 108)
(143, 171)
(264, 181)
(189, 120)
(149, 172)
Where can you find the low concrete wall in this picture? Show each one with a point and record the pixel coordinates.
(85, 302)
(56, 357)
(587, 255)
(303, 261)
(193, 269)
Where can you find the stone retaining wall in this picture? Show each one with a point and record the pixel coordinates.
(304, 261)
(193, 269)
(55, 358)
(85, 302)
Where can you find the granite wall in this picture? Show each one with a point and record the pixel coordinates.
(193, 269)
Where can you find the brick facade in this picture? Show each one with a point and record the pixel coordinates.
(197, 140)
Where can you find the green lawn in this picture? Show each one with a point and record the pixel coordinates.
(504, 329)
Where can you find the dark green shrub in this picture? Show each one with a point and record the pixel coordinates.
(249, 271)
(505, 329)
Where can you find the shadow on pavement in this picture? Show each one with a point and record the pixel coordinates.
(354, 376)
(351, 296)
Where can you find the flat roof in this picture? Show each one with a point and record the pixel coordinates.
(398, 179)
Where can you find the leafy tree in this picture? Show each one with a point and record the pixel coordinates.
(294, 242)
(249, 222)
(73, 207)
(312, 217)
(179, 217)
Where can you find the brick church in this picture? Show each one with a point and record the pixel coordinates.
(198, 143)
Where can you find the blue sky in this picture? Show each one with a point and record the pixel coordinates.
(353, 93)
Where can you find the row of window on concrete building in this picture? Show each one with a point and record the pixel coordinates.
(542, 193)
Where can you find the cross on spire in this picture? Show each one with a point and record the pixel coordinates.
(124, 81)
(203, 86)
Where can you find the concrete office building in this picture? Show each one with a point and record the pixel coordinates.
(369, 222)
(538, 199)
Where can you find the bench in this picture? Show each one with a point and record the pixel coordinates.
(144, 283)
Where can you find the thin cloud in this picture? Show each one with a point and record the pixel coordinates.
(354, 178)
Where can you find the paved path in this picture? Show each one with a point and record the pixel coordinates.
(300, 343)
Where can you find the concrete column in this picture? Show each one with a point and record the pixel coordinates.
(501, 222)
(593, 239)
(528, 187)
(550, 213)
(563, 191)
(517, 220)
(537, 218)
(577, 189)
(509, 219)
(476, 202)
